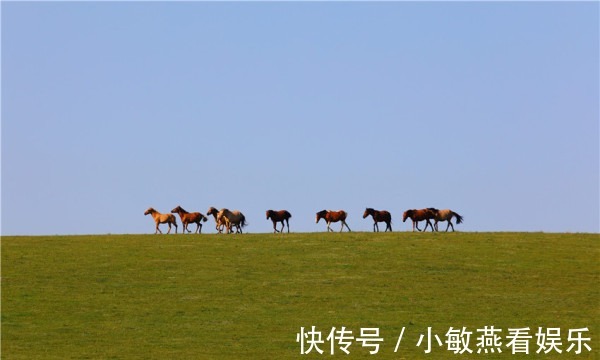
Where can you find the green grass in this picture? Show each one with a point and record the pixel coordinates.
(246, 297)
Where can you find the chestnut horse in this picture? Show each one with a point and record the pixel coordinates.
(279, 216)
(379, 216)
(162, 219)
(188, 218)
(446, 215)
(333, 216)
(232, 218)
(419, 215)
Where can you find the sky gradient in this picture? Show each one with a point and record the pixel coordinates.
(489, 109)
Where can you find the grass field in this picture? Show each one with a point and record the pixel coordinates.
(246, 297)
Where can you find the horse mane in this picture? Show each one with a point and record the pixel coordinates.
(182, 210)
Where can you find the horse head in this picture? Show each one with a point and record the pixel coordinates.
(368, 211)
(407, 214)
(149, 211)
(321, 215)
(177, 210)
(269, 214)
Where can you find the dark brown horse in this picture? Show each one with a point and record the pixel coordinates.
(279, 216)
(333, 216)
(420, 215)
(189, 218)
(379, 216)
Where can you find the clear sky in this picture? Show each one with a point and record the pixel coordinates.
(490, 109)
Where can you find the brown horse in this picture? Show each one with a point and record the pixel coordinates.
(379, 216)
(333, 216)
(214, 212)
(189, 218)
(446, 215)
(232, 218)
(419, 215)
(162, 219)
(279, 216)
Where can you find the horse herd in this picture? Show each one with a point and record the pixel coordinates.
(226, 220)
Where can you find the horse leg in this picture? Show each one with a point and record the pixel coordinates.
(428, 223)
(157, 229)
(416, 223)
(375, 226)
(329, 227)
(344, 223)
(275, 227)
(388, 225)
(450, 224)
(282, 226)
(288, 225)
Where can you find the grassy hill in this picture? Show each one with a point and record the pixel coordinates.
(247, 296)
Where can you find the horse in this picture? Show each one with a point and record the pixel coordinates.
(279, 216)
(379, 216)
(214, 212)
(162, 219)
(333, 216)
(419, 215)
(232, 218)
(188, 218)
(446, 215)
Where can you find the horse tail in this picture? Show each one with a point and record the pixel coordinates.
(459, 219)
(243, 221)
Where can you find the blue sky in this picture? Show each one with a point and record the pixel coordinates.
(490, 109)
